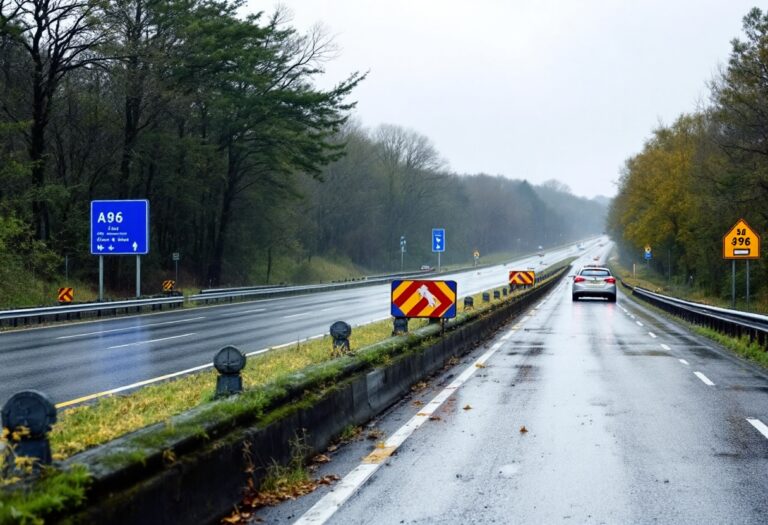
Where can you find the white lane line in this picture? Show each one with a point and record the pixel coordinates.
(327, 506)
(639, 323)
(296, 315)
(759, 425)
(137, 343)
(232, 314)
(652, 334)
(704, 379)
(686, 363)
(665, 347)
(130, 328)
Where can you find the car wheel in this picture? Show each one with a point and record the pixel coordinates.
(611, 298)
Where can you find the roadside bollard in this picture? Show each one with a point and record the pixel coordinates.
(27, 418)
(486, 297)
(340, 331)
(504, 292)
(469, 303)
(229, 361)
(496, 294)
(400, 326)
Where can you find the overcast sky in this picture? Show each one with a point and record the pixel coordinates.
(528, 89)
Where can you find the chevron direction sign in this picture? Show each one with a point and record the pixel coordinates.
(526, 277)
(435, 299)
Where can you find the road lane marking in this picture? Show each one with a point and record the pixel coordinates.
(686, 363)
(665, 347)
(130, 328)
(759, 425)
(639, 323)
(137, 343)
(232, 314)
(327, 506)
(704, 379)
(652, 334)
(296, 315)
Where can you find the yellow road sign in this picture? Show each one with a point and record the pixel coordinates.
(741, 242)
(476, 254)
(66, 295)
(647, 248)
(168, 285)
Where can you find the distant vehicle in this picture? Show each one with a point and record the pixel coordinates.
(594, 281)
(425, 267)
(596, 258)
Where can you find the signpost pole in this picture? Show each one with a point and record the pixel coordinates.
(138, 276)
(101, 278)
(177, 270)
(438, 262)
(747, 284)
(733, 283)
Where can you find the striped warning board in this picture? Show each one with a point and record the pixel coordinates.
(168, 285)
(526, 277)
(66, 295)
(435, 299)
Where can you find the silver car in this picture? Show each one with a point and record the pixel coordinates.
(594, 281)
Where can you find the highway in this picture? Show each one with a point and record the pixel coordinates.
(585, 412)
(73, 360)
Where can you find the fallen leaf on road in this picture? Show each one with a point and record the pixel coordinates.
(327, 480)
(381, 444)
(321, 458)
(479, 365)
(435, 418)
(467, 407)
(417, 403)
(523, 430)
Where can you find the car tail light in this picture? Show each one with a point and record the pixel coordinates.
(579, 279)
(611, 280)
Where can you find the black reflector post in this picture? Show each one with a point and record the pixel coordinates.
(496, 294)
(400, 326)
(469, 303)
(504, 292)
(27, 418)
(340, 331)
(486, 297)
(229, 361)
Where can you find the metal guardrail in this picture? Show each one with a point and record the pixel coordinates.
(731, 322)
(78, 311)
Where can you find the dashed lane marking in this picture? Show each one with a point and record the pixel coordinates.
(255, 310)
(704, 379)
(652, 334)
(296, 315)
(639, 323)
(665, 347)
(130, 328)
(137, 343)
(686, 363)
(759, 425)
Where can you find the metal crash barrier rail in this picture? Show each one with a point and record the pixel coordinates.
(730, 322)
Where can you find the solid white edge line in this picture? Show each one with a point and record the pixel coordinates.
(327, 506)
(137, 343)
(759, 425)
(704, 379)
(686, 363)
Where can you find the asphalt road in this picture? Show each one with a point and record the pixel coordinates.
(629, 419)
(73, 360)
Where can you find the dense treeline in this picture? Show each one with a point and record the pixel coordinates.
(695, 178)
(216, 119)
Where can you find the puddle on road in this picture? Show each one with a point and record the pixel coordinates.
(509, 471)
(651, 353)
(525, 373)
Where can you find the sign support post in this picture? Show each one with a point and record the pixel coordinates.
(747, 284)
(740, 242)
(101, 278)
(438, 243)
(138, 276)
(733, 283)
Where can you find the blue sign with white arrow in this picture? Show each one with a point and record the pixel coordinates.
(120, 227)
(438, 239)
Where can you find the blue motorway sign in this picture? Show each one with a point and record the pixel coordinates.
(438, 239)
(120, 227)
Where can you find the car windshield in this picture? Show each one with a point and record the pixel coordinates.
(595, 273)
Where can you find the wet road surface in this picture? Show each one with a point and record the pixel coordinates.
(71, 360)
(629, 419)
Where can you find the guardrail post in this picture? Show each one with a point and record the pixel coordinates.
(504, 291)
(496, 294)
(469, 303)
(27, 418)
(229, 361)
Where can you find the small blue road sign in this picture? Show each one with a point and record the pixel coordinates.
(647, 255)
(438, 239)
(120, 227)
